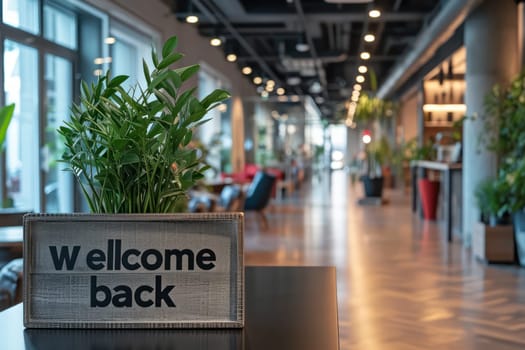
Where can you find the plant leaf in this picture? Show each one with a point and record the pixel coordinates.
(186, 72)
(117, 81)
(216, 96)
(6, 114)
(168, 60)
(169, 46)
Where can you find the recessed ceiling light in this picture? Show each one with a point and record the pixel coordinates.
(270, 83)
(360, 79)
(374, 13)
(362, 69)
(246, 70)
(215, 41)
(257, 80)
(110, 40)
(302, 47)
(357, 87)
(192, 19)
(281, 91)
(365, 55)
(370, 38)
(231, 57)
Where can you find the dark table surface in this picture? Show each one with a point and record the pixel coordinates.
(286, 308)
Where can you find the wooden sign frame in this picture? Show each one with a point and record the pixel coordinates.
(134, 270)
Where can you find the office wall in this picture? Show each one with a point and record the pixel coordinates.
(154, 15)
(407, 117)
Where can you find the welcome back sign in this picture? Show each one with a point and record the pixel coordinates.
(133, 271)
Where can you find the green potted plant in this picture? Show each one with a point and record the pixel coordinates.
(492, 235)
(491, 196)
(505, 113)
(377, 155)
(129, 150)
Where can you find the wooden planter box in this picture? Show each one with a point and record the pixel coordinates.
(133, 271)
(494, 244)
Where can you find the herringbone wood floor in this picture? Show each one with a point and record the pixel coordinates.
(400, 284)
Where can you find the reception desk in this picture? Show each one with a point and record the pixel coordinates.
(450, 177)
(286, 308)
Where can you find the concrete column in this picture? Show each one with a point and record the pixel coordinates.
(492, 58)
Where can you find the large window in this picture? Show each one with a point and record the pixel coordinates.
(22, 14)
(215, 135)
(60, 25)
(42, 73)
(128, 48)
(21, 86)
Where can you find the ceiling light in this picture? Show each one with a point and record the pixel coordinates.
(357, 87)
(281, 91)
(231, 57)
(246, 70)
(110, 40)
(269, 88)
(302, 47)
(257, 80)
(362, 69)
(223, 107)
(445, 108)
(215, 41)
(355, 93)
(270, 82)
(374, 13)
(365, 55)
(370, 38)
(360, 79)
(192, 19)
(355, 98)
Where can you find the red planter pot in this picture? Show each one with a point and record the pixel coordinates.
(429, 193)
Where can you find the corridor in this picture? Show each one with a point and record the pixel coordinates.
(400, 284)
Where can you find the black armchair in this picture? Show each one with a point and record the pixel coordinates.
(259, 193)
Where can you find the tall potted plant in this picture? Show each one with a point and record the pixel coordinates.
(377, 154)
(129, 150)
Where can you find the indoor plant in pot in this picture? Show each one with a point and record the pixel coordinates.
(377, 153)
(492, 235)
(505, 112)
(129, 150)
